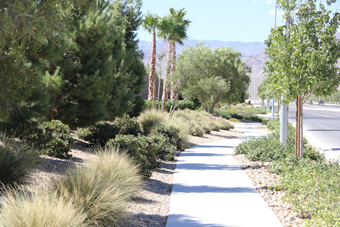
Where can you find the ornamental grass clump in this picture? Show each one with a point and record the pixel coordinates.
(17, 159)
(20, 208)
(150, 119)
(102, 187)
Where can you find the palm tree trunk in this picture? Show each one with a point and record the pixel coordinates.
(151, 94)
(166, 76)
(174, 95)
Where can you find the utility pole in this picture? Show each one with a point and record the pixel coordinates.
(254, 90)
(284, 109)
(273, 99)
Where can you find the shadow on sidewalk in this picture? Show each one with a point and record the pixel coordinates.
(199, 166)
(210, 189)
(178, 220)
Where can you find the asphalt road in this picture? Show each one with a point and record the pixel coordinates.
(322, 123)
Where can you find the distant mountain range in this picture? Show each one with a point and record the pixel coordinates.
(252, 54)
(251, 48)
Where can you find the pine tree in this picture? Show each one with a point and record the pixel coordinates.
(131, 70)
(88, 69)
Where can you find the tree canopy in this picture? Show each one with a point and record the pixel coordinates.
(303, 53)
(85, 67)
(211, 76)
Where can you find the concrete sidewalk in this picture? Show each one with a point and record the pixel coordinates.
(211, 189)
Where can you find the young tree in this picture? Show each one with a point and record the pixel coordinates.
(150, 23)
(303, 55)
(211, 76)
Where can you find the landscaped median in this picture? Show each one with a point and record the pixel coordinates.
(311, 183)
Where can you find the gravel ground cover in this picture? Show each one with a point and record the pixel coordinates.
(150, 206)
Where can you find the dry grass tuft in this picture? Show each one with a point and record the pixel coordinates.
(102, 188)
(44, 209)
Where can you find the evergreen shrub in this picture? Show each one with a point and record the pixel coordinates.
(82, 133)
(128, 126)
(102, 133)
(53, 138)
(142, 149)
(139, 106)
(173, 135)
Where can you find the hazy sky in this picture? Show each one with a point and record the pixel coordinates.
(225, 20)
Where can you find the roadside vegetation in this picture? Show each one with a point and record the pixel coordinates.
(70, 74)
(127, 149)
(311, 182)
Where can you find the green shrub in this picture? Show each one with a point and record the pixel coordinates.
(46, 209)
(234, 120)
(312, 185)
(240, 113)
(142, 149)
(102, 133)
(128, 126)
(139, 106)
(54, 139)
(150, 119)
(16, 160)
(187, 104)
(24, 130)
(102, 188)
(273, 124)
(164, 149)
(264, 149)
(83, 133)
(224, 124)
(172, 133)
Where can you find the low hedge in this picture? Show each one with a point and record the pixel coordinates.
(145, 149)
(104, 131)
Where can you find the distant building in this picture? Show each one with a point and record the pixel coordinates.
(145, 91)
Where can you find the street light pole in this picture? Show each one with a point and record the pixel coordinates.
(284, 111)
(273, 99)
(254, 90)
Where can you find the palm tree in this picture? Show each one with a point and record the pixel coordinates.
(173, 28)
(150, 23)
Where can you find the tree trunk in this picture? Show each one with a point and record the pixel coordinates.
(166, 76)
(301, 128)
(174, 94)
(151, 94)
(52, 69)
(298, 128)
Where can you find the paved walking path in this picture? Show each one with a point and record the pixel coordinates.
(211, 189)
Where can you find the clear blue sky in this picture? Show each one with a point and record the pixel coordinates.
(225, 20)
